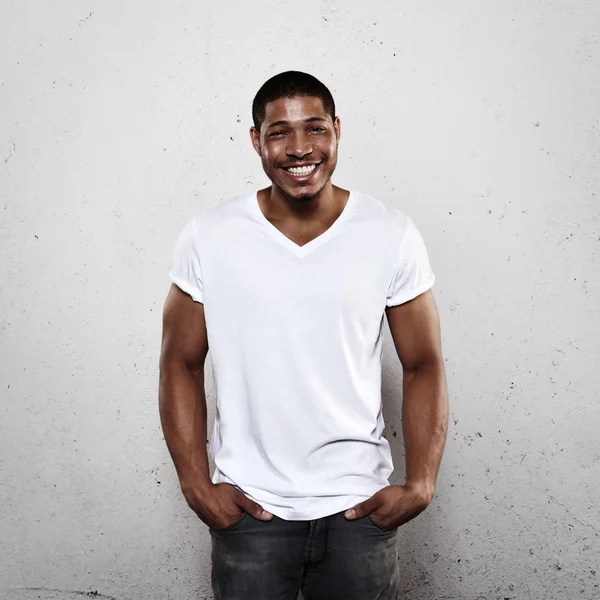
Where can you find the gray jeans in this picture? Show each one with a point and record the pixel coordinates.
(331, 558)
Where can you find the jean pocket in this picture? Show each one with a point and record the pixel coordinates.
(380, 527)
(234, 524)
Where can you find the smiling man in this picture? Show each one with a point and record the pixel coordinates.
(289, 286)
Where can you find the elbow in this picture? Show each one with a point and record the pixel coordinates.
(174, 364)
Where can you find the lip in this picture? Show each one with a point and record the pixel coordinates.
(302, 178)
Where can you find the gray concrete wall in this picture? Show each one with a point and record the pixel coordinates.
(119, 119)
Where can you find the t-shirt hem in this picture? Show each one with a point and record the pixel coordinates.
(324, 509)
(412, 293)
(316, 506)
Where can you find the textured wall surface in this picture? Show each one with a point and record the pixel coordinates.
(119, 119)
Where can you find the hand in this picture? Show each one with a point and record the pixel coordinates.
(220, 505)
(393, 505)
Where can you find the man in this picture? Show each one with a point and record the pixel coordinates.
(288, 286)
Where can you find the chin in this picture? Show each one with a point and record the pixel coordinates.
(307, 192)
(304, 194)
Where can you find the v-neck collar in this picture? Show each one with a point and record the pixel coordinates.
(290, 244)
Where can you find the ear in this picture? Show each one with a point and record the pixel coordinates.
(338, 128)
(255, 138)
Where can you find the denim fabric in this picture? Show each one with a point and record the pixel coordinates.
(331, 558)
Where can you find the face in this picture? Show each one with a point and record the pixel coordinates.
(298, 144)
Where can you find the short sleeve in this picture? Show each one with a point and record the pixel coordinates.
(413, 274)
(185, 269)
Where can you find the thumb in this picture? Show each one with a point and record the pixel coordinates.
(362, 509)
(254, 509)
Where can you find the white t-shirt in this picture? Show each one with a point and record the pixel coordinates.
(295, 335)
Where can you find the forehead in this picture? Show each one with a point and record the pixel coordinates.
(297, 108)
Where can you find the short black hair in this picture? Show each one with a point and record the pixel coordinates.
(288, 85)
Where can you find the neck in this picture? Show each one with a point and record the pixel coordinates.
(279, 205)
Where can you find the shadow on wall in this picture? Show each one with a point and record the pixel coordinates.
(41, 593)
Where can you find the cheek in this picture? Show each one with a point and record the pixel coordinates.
(331, 152)
(329, 148)
(270, 154)
(266, 159)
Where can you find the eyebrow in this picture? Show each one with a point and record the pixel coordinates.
(309, 120)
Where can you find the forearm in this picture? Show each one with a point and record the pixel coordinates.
(424, 423)
(182, 404)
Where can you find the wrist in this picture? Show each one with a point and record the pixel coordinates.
(424, 488)
(195, 483)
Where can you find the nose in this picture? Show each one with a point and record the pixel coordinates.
(299, 145)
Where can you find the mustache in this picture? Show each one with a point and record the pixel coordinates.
(299, 162)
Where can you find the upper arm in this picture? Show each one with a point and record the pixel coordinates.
(184, 337)
(415, 329)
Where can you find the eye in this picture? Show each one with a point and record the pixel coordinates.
(274, 133)
(317, 128)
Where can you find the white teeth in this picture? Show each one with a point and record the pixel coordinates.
(301, 170)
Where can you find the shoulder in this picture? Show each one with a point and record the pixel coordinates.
(207, 220)
(391, 220)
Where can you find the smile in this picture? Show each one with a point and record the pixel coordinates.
(301, 171)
